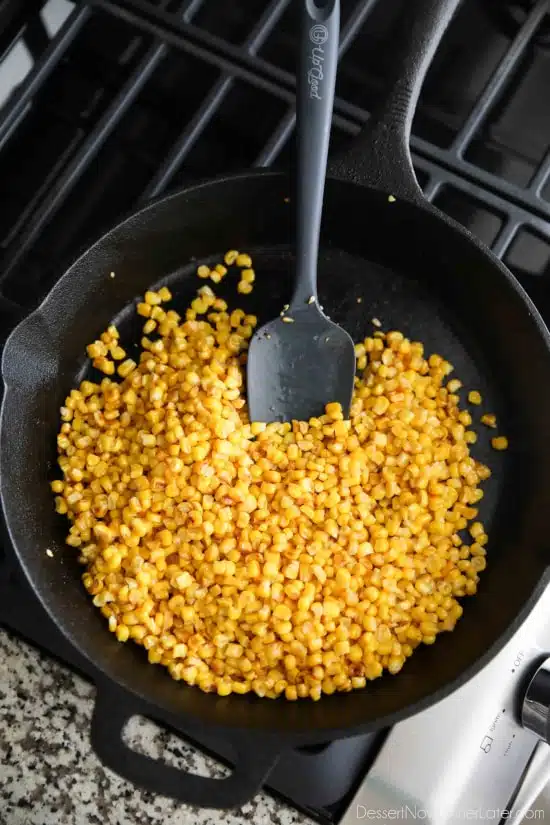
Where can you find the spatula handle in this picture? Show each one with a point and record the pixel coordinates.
(316, 80)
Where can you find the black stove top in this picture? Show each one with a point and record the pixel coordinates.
(120, 102)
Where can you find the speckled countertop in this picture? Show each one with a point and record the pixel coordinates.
(50, 775)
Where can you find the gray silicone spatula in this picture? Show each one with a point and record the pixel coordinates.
(302, 361)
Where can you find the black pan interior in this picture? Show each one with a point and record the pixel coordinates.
(412, 270)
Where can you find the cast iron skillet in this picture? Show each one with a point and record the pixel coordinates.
(418, 272)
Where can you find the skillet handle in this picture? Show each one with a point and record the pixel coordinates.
(380, 156)
(252, 765)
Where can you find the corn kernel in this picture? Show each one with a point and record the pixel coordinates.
(282, 611)
(126, 368)
(118, 353)
(152, 298)
(499, 443)
(244, 260)
(122, 633)
(230, 257)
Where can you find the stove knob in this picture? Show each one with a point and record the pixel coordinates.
(535, 711)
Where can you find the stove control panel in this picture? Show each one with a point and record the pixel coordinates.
(465, 757)
(535, 709)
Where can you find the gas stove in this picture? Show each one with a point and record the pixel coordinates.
(105, 105)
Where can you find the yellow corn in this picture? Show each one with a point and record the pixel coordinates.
(294, 559)
(230, 257)
(126, 368)
(244, 260)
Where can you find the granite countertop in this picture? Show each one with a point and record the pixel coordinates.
(50, 775)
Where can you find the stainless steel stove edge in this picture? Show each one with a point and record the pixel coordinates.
(464, 758)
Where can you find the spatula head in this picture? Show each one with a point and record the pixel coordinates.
(294, 369)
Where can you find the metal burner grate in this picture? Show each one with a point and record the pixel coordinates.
(510, 16)
(130, 98)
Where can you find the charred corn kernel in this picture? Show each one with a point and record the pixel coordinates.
(284, 559)
(489, 420)
(474, 397)
(499, 443)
